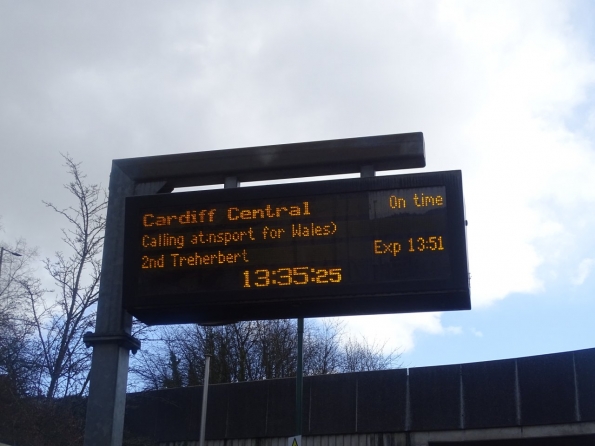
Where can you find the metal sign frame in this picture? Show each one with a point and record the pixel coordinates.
(112, 340)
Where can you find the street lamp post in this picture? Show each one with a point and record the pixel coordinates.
(2, 249)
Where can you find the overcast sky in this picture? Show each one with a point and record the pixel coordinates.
(502, 90)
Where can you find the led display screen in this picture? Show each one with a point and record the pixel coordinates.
(343, 247)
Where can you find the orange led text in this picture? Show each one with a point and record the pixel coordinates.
(189, 217)
(268, 211)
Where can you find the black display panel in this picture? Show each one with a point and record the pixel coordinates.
(345, 247)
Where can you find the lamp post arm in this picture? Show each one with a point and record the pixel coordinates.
(2, 249)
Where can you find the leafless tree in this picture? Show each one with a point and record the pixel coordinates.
(249, 351)
(61, 318)
(362, 356)
(322, 347)
(17, 351)
(43, 362)
(16, 269)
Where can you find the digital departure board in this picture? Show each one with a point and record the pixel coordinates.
(344, 247)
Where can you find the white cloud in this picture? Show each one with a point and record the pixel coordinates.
(520, 154)
(582, 272)
(454, 330)
(476, 333)
(399, 330)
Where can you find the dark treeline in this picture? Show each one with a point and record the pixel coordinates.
(248, 351)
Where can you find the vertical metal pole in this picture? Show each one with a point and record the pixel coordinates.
(106, 403)
(109, 366)
(205, 394)
(1, 254)
(299, 379)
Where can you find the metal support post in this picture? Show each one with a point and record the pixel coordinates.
(299, 378)
(205, 394)
(112, 340)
